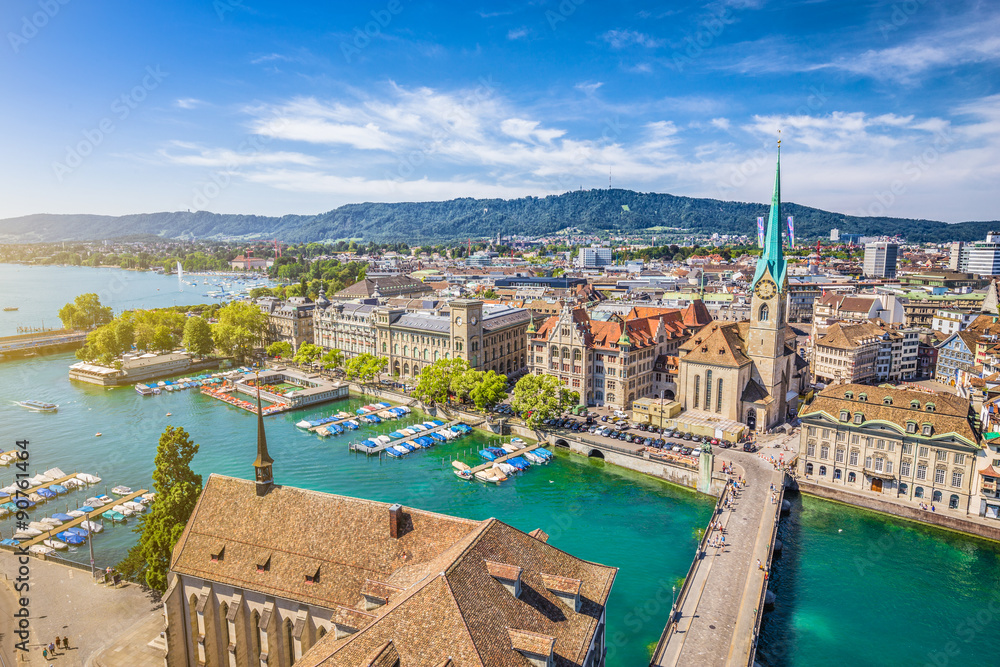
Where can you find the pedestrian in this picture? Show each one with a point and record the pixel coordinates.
(932, 508)
(58, 641)
(65, 642)
(45, 652)
(52, 648)
(759, 566)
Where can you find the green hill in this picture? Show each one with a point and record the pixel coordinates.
(422, 222)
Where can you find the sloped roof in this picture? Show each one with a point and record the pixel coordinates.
(843, 336)
(696, 314)
(719, 343)
(753, 392)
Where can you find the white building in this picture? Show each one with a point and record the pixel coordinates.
(948, 321)
(594, 257)
(984, 257)
(880, 259)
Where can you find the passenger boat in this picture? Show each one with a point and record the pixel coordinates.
(121, 490)
(38, 406)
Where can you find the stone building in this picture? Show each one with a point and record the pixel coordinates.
(272, 575)
(610, 362)
(897, 444)
(748, 371)
(865, 352)
(384, 286)
(290, 321)
(345, 326)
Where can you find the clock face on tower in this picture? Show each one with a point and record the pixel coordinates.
(766, 289)
(458, 320)
(473, 320)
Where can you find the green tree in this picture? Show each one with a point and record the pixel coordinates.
(435, 381)
(308, 353)
(462, 383)
(491, 389)
(198, 337)
(240, 328)
(281, 348)
(144, 333)
(365, 367)
(85, 311)
(163, 338)
(332, 358)
(543, 395)
(177, 490)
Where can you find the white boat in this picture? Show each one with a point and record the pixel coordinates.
(304, 424)
(323, 432)
(534, 458)
(41, 525)
(493, 475)
(35, 498)
(138, 508)
(505, 468)
(149, 497)
(76, 514)
(52, 521)
(510, 449)
(88, 478)
(41, 550)
(92, 526)
(518, 441)
(122, 490)
(93, 502)
(73, 484)
(104, 500)
(27, 533)
(121, 509)
(55, 544)
(38, 406)
(384, 439)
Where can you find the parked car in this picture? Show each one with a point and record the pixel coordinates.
(749, 447)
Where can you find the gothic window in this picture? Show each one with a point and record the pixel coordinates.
(708, 390)
(718, 398)
(763, 313)
(697, 389)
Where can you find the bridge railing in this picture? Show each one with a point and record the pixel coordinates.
(671, 625)
(763, 588)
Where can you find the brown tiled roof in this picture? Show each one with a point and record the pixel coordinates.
(559, 584)
(696, 314)
(380, 590)
(539, 535)
(384, 656)
(532, 642)
(843, 336)
(443, 601)
(503, 570)
(951, 413)
(718, 343)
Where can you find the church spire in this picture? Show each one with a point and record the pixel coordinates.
(263, 474)
(773, 258)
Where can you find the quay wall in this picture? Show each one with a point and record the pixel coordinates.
(939, 519)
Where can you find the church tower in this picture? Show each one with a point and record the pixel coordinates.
(263, 475)
(766, 346)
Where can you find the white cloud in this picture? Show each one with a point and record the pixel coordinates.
(188, 103)
(194, 155)
(621, 39)
(720, 123)
(517, 33)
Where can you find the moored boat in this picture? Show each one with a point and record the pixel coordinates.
(121, 490)
(55, 544)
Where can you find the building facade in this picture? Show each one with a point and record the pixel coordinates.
(292, 321)
(897, 444)
(880, 259)
(594, 257)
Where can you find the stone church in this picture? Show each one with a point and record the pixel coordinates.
(748, 371)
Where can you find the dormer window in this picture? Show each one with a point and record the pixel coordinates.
(508, 575)
(858, 417)
(911, 427)
(844, 415)
(927, 429)
(849, 394)
(313, 578)
(915, 404)
(887, 400)
(863, 397)
(264, 563)
(929, 407)
(218, 554)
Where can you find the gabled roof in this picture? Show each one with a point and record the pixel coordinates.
(719, 343)
(753, 392)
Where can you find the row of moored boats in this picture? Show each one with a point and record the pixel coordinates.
(427, 434)
(338, 423)
(500, 471)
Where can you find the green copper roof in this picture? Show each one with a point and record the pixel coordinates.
(772, 258)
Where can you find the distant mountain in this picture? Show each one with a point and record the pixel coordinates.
(423, 222)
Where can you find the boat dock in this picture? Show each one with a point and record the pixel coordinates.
(501, 459)
(356, 447)
(313, 429)
(34, 489)
(90, 516)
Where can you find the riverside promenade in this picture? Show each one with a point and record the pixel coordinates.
(719, 611)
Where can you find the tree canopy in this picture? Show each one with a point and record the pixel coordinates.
(241, 327)
(85, 311)
(177, 489)
(365, 367)
(198, 337)
(543, 395)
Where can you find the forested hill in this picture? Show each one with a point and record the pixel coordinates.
(421, 222)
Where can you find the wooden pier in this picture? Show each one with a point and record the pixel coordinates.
(501, 459)
(51, 535)
(356, 447)
(313, 429)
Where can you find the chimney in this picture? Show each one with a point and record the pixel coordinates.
(396, 521)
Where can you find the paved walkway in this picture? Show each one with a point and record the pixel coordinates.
(65, 601)
(719, 610)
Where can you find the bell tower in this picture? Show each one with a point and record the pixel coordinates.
(263, 474)
(766, 345)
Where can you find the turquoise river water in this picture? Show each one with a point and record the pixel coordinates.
(853, 587)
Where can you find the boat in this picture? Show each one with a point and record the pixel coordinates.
(88, 479)
(505, 468)
(112, 515)
(323, 432)
(92, 526)
(47, 494)
(38, 406)
(510, 449)
(71, 538)
(76, 514)
(534, 458)
(10, 309)
(27, 533)
(121, 509)
(518, 441)
(138, 508)
(39, 549)
(491, 475)
(305, 424)
(76, 530)
(55, 544)
(148, 497)
(143, 389)
(462, 469)
(43, 526)
(98, 434)
(121, 490)
(351, 424)
(59, 516)
(519, 463)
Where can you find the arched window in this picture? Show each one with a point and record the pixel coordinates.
(255, 634)
(289, 642)
(809, 468)
(718, 397)
(435, 355)
(918, 492)
(936, 497)
(697, 389)
(576, 355)
(762, 315)
(851, 477)
(902, 489)
(224, 626)
(822, 471)
(554, 351)
(836, 473)
(708, 390)
(565, 353)
(953, 502)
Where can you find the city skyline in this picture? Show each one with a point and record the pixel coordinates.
(885, 109)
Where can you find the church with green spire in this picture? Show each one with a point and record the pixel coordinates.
(749, 371)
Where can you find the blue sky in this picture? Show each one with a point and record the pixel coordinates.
(251, 106)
